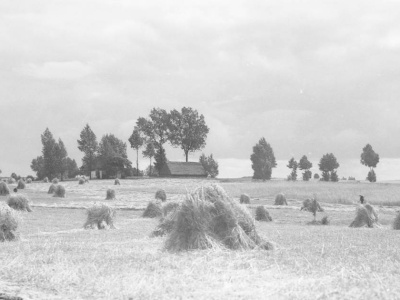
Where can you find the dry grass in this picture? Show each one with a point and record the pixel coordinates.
(244, 199)
(19, 202)
(4, 189)
(100, 216)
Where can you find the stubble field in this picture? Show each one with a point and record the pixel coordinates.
(57, 259)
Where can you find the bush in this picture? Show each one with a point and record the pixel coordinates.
(262, 214)
(59, 191)
(4, 189)
(244, 199)
(116, 182)
(9, 222)
(153, 210)
(161, 195)
(19, 202)
(100, 216)
(280, 199)
(110, 194)
(21, 184)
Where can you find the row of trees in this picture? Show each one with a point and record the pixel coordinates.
(263, 161)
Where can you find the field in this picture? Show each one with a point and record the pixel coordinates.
(57, 259)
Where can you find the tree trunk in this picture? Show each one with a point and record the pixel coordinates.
(186, 154)
(150, 166)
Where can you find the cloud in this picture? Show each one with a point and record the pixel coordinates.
(57, 70)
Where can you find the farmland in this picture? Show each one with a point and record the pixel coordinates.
(57, 259)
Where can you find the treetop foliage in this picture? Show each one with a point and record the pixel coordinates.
(369, 157)
(263, 160)
(209, 164)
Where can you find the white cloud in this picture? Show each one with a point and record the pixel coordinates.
(57, 70)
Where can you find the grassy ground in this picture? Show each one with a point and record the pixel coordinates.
(56, 259)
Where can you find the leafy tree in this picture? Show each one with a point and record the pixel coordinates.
(60, 155)
(48, 153)
(89, 146)
(37, 165)
(112, 155)
(306, 165)
(263, 160)
(292, 164)
(210, 165)
(334, 176)
(188, 130)
(370, 159)
(149, 152)
(71, 167)
(160, 159)
(136, 140)
(328, 165)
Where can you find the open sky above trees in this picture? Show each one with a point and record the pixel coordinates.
(314, 77)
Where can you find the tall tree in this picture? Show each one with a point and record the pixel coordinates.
(305, 165)
(370, 159)
(160, 159)
(89, 146)
(149, 152)
(263, 160)
(37, 166)
(210, 165)
(292, 164)
(188, 130)
(60, 155)
(136, 140)
(71, 167)
(112, 155)
(328, 165)
(49, 159)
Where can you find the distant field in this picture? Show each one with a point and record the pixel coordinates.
(57, 259)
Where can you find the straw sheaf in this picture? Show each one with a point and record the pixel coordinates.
(262, 214)
(21, 184)
(161, 195)
(19, 202)
(153, 210)
(59, 191)
(110, 194)
(117, 182)
(100, 216)
(4, 189)
(9, 222)
(244, 199)
(52, 188)
(280, 199)
(362, 218)
(396, 222)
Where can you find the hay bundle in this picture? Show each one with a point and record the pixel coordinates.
(166, 224)
(9, 221)
(208, 218)
(311, 205)
(52, 188)
(262, 214)
(161, 195)
(4, 190)
(81, 180)
(59, 191)
(46, 179)
(110, 194)
(372, 213)
(11, 180)
(325, 220)
(280, 199)
(21, 184)
(19, 202)
(244, 199)
(363, 217)
(153, 210)
(116, 182)
(29, 180)
(396, 222)
(100, 216)
(55, 180)
(169, 206)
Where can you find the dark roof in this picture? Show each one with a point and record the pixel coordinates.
(176, 168)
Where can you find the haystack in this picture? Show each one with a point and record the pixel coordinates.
(208, 218)
(11, 180)
(55, 180)
(9, 221)
(363, 217)
(29, 180)
(4, 190)
(244, 199)
(81, 180)
(262, 214)
(100, 216)
(161, 195)
(166, 224)
(396, 222)
(59, 191)
(153, 210)
(110, 194)
(280, 199)
(21, 184)
(19, 202)
(52, 188)
(46, 179)
(311, 205)
(116, 182)
(169, 206)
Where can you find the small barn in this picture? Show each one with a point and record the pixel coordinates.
(182, 169)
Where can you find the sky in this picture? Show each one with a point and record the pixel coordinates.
(312, 77)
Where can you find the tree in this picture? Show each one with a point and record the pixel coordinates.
(316, 176)
(188, 130)
(292, 164)
(149, 152)
(71, 167)
(89, 146)
(48, 153)
(263, 160)
(160, 159)
(136, 140)
(210, 165)
(60, 155)
(328, 165)
(370, 159)
(112, 155)
(306, 165)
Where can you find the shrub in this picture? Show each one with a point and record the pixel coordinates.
(19, 202)
(81, 180)
(161, 195)
(21, 184)
(59, 191)
(110, 194)
(396, 222)
(4, 190)
(28, 180)
(244, 199)
(280, 199)
(209, 219)
(55, 180)
(116, 182)
(52, 188)
(262, 214)
(46, 179)
(100, 216)
(9, 221)
(153, 210)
